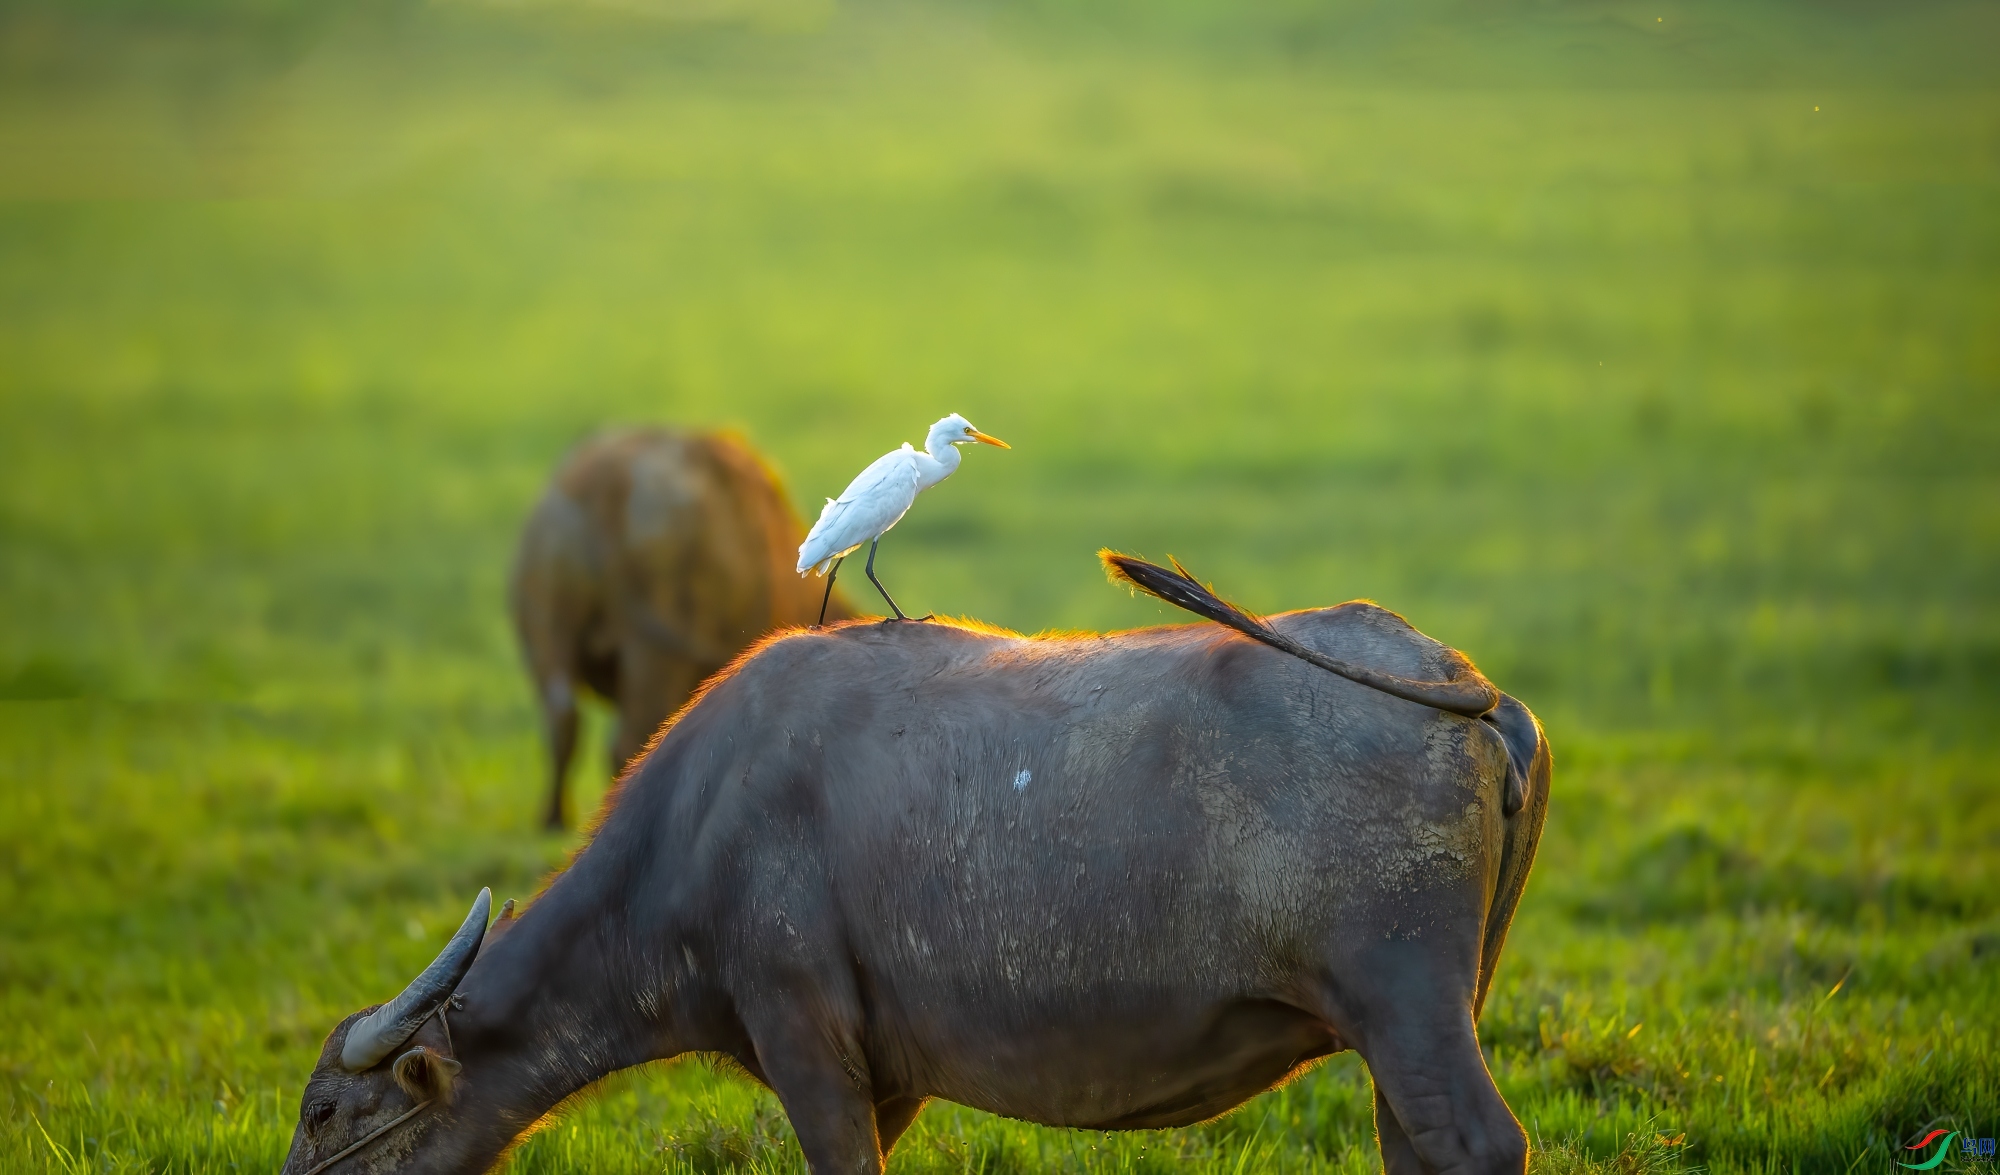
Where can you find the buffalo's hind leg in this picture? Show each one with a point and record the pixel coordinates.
(1398, 1156)
(1436, 1107)
(1406, 1007)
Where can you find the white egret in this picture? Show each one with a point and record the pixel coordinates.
(878, 499)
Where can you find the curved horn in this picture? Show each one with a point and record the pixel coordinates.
(384, 1030)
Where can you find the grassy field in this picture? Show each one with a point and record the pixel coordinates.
(1649, 354)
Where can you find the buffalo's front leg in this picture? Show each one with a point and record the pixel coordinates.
(825, 1090)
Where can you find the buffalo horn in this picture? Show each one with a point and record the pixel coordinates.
(384, 1030)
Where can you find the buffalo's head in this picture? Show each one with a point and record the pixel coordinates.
(384, 1070)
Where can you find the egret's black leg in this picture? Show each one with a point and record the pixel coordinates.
(832, 573)
(878, 583)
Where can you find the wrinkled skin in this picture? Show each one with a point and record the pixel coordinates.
(1113, 882)
(653, 559)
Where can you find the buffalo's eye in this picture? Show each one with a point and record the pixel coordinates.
(317, 1113)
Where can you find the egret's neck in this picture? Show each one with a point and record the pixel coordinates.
(938, 461)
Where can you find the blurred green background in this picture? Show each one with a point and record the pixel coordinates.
(1650, 353)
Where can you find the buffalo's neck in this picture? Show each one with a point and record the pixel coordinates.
(551, 1005)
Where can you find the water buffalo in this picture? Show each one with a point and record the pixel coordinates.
(654, 558)
(1118, 882)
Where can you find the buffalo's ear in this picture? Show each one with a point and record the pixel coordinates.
(501, 925)
(425, 1075)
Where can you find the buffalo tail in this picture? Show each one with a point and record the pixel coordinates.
(1471, 695)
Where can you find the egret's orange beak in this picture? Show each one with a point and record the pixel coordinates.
(983, 439)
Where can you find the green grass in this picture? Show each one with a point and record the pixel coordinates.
(1651, 356)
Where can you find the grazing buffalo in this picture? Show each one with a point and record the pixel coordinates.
(1116, 882)
(654, 558)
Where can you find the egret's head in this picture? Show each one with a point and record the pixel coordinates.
(957, 430)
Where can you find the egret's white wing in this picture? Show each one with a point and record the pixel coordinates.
(870, 505)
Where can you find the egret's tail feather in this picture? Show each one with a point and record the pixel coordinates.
(1471, 695)
(821, 566)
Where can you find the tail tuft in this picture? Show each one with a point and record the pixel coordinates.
(1182, 590)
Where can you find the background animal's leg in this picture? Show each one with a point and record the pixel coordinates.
(878, 583)
(832, 573)
(651, 686)
(559, 721)
(641, 712)
(827, 1097)
(1398, 1156)
(892, 1118)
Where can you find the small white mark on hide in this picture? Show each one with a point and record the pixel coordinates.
(1021, 779)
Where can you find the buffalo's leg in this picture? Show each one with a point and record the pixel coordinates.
(559, 723)
(892, 1118)
(826, 1095)
(1398, 1156)
(1406, 1007)
(1428, 1069)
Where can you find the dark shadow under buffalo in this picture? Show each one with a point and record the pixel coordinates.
(1121, 881)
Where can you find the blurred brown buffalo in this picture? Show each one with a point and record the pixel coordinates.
(654, 558)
